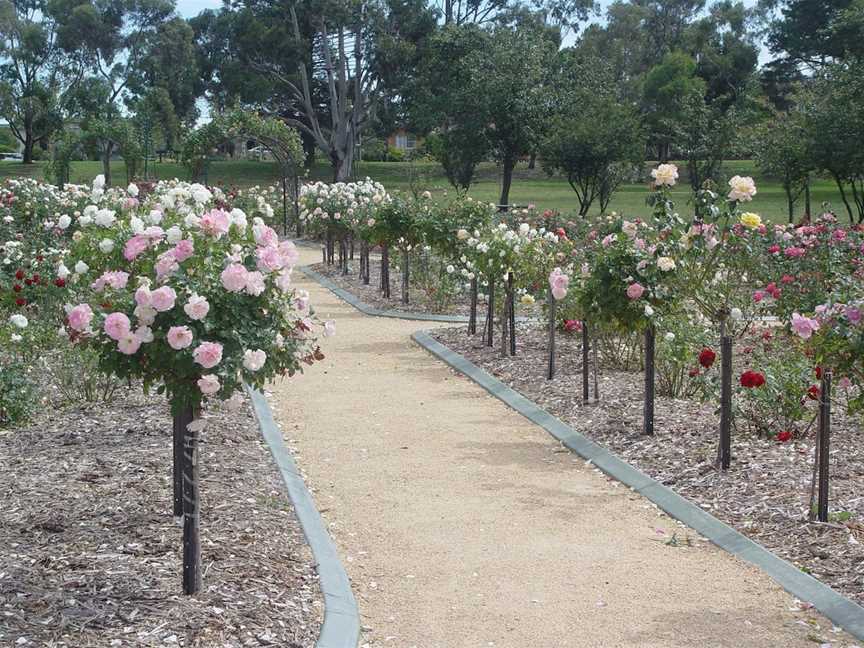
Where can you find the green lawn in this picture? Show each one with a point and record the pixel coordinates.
(529, 187)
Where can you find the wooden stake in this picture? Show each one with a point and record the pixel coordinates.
(191, 538)
(648, 405)
(490, 316)
(406, 267)
(385, 271)
(824, 445)
(511, 311)
(181, 420)
(472, 317)
(550, 369)
(586, 349)
(725, 452)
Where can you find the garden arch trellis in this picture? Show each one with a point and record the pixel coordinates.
(281, 140)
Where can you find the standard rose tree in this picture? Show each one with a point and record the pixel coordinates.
(191, 299)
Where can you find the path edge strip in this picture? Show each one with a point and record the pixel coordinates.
(368, 309)
(840, 610)
(341, 625)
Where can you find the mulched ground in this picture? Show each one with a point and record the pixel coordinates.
(90, 553)
(764, 495)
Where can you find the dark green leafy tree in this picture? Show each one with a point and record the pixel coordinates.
(782, 153)
(814, 33)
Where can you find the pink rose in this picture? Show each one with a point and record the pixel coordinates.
(163, 299)
(208, 354)
(135, 246)
(215, 223)
(254, 360)
(265, 236)
(329, 328)
(635, 290)
(197, 307)
(234, 277)
(183, 250)
(269, 259)
(117, 325)
(804, 327)
(166, 264)
(128, 344)
(80, 317)
(290, 254)
(283, 280)
(209, 384)
(853, 314)
(758, 296)
(255, 283)
(558, 282)
(142, 296)
(179, 337)
(117, 279)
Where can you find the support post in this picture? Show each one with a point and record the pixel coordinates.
(191, 537)
(725, 454)
(824, 445)
(511, 311)
(385, 271)
(586, 351)
(406, 267)
(550, 369)
(648, 405)
(181, 420)
(490, 314)
(472, 316)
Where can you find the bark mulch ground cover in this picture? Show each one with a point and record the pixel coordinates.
(90, 553)
(765, 494)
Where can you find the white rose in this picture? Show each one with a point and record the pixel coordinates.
(670, 336)
(174, 235)
(742, 188)
(64, 221)
(132, 190)
(450, 269)
(254, 360)
(62, 271)
(648, 310)
(666, 264)
(19, 320)
(106, 245)
(136, 224)
(99, 182)
(81, 267)
(736, 314)
(105, 217)
(665, 174)
(155, 216)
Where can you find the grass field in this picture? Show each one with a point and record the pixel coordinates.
(529, 187)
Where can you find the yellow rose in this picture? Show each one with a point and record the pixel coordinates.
(527, 299)
(751, 220)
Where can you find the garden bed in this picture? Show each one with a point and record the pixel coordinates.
(764, 495)
(92, 555)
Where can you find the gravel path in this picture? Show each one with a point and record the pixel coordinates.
(462, 524)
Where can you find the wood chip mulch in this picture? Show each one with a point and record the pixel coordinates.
(765, 494)
(90, 552)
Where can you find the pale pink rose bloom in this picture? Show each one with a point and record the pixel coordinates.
(804, 327)
(163, 299)
(290, 254)
(117, 279)
(608, 240)
(80, 317)
(154, 233)
(853, 314)
(166, 264)
(117, 325)
(255, 283)
(265, 236)
(197, 307)
(329, 328)
(209, 384)
(635, 290)
(283, 281)
(145, 334)
(130, 203)
(128, 343)
(254, 360)
(845, 382)
(208, 354)
(142, 296)
(179, 337)
(234, 277)
(146, 314)
(135, 246)
(301, 302)
(269, 259)
(742, 188)
(183, 250)
(558, 282)
(215, 223)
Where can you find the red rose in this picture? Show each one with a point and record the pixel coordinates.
(20, 302)
(17, 288)
(572, 325)
(751, 379)
(694, 372)
(813, 392)
(60, 283)
(818, 372)
(707, 357)
(784, 436)
(36, 278)
(19, 274)
(561, 233)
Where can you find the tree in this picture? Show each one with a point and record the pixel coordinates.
(833, 113)
(815, 33)
(35, 77)
(782, 153)
(593, 154)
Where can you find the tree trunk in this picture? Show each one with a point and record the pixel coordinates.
(106, 162)
(506, 180)
(29, 145)
(532, 161)
(191, 538)
(807, 198)
(343, 163)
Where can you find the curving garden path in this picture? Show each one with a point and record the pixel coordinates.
(461, 524)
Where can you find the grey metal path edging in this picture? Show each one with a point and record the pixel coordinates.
(363, 307)
(341, 627)
(843, 612)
